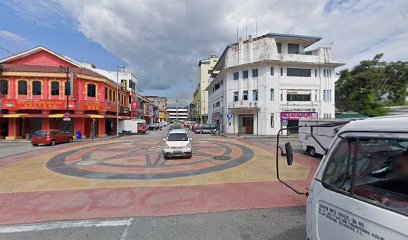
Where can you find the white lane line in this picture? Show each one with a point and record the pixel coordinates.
(125, 232)
(65, 224)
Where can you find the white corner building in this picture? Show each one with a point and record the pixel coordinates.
(263, 84)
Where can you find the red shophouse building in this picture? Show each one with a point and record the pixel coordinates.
(33, 96)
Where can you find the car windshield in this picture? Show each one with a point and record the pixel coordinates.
(177, 137)
(40, 133)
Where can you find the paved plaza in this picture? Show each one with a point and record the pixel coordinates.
(128, 178)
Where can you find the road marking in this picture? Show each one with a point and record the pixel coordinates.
(125, 232)
(65, 224)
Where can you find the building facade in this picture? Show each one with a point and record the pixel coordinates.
(39, 87)
(270, 82)
(159, 108)
(200, 97)
(177, 114)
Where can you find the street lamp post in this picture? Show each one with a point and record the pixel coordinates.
(66, 71)
(177, 111)
(117, 98)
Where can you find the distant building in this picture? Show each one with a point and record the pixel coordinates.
(266, 83)
(180, 114)
(161, 110)
(199, 112)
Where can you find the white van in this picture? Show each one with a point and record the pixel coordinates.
(133, 126)
(324, 135)
(360, 190)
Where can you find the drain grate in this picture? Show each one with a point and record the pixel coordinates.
(224, 158)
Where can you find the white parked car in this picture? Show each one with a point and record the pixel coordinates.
(178, 144)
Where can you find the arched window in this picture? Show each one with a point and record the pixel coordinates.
(55, 88)
(91, 90)
(3, 87)
(22, 87)
(36, 88)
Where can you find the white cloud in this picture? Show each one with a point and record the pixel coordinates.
(162, 41)
(12, 37)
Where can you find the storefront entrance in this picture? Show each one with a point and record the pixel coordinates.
(246, 124)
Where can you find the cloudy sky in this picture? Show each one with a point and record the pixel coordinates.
(162, 41)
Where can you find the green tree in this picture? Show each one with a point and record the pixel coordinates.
(371, 86)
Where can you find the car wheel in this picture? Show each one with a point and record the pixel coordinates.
(35, 145)
(70, 140)
(52, 143)
(201, 132)
(312, 151)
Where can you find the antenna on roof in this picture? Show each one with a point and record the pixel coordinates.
(256, 29)
(237, 35)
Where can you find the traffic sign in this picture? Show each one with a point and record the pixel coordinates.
(229, 116)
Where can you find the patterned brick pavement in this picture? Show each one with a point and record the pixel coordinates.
(129, 177)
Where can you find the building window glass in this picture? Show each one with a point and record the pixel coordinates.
(245, 95)
(110, 94)
(254, 95)
(324, 95)
(217, 104)
(298, 72)
(293, 48)
(3, 87)
(22, 87)
(236, 75)
(272, 94)
(279, 46)
(272, 71)
(255, 72)
(36, 88)
(67, 86)
(235, 97)
(281, 71)
(315, 72)
(272, 120)
(245, 74)
(290, 97)
(114, 95)
(55, 88)
(106, 93)
(91, 90)
(324, 72)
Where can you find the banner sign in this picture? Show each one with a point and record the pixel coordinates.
(297, 115)
(39, 104)
(86, 105)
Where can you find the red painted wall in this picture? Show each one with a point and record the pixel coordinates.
(41, 58)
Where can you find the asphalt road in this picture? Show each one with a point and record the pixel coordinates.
(276, 223)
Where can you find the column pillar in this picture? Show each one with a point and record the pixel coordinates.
(13, 129)
(101, 127)
(79, 124)
(1, 128)
(45, 123)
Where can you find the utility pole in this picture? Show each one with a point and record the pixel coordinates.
(117, 98)
(66, 71)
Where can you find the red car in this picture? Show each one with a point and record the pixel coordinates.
(51, 137)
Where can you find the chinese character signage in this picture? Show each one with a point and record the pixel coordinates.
(86, 105)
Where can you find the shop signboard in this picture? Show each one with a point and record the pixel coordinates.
(297, 115)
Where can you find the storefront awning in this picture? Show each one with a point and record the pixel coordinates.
(95, 116)
(13, 115)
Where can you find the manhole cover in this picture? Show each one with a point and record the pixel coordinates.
(222, 158)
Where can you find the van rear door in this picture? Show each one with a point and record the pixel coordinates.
(361, 192)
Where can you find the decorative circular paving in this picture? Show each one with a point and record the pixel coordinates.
(144, 160)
